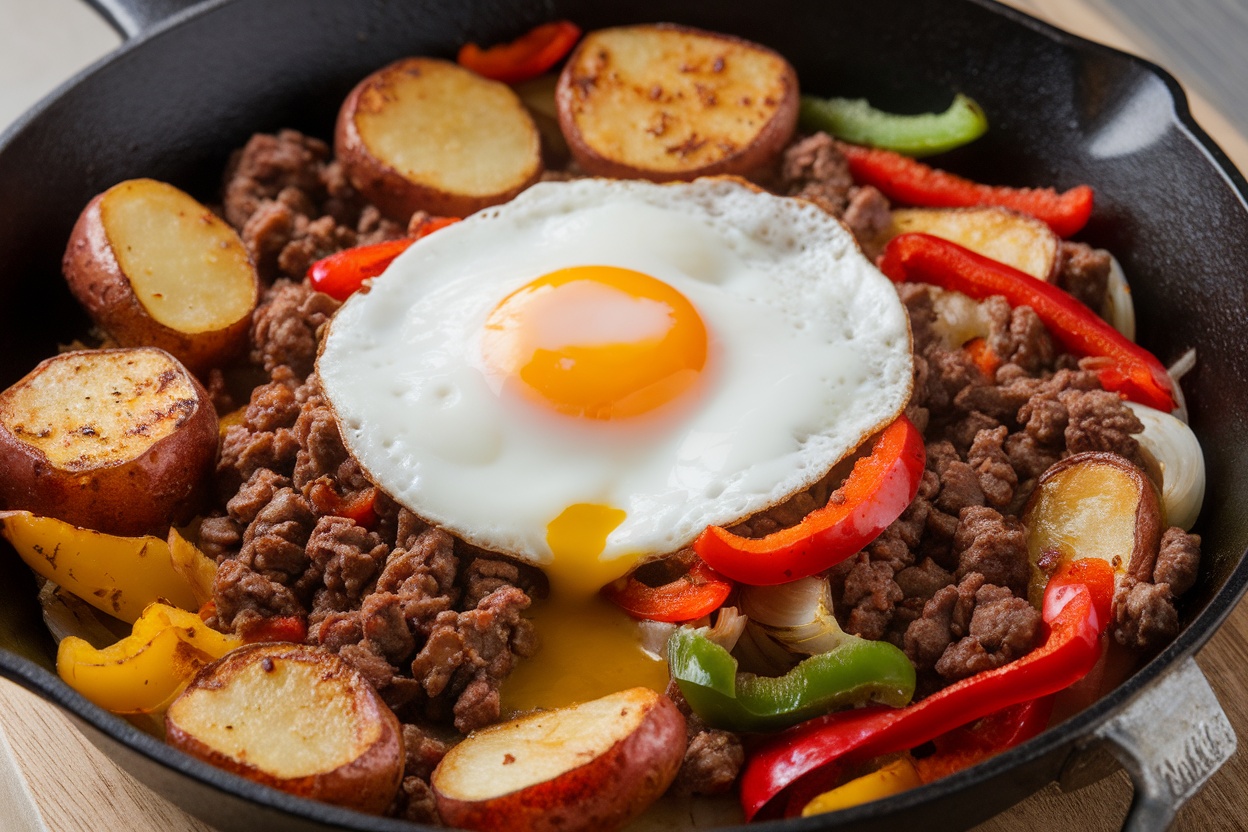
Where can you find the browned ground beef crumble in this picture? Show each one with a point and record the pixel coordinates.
(436, 625)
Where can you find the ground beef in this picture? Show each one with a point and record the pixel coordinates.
(713, 758)
(814, 169)
(1145, 618)
(1084, 272)
(993, 545)
(1177, 560)
(286, 327)
(292, 206)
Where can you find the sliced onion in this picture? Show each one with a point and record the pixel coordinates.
(729, 625)
(1184, 365)
(1119, 309)
(1171, 443)
(958, 318)
(654, 635)
(787, 622)
(65, 615)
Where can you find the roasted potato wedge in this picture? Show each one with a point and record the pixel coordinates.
(666, 102)
(155, 268)
(428, 135)
(1092, 505)
(1006, 236)
(294, 717)
(588, 766)
(120, 441)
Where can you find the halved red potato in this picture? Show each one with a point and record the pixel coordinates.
(428, 135)
(589, 766)
(1017, 240)
(296, 718)
(1092, 505)
(120, 441)
(155, 268)
(667, 102)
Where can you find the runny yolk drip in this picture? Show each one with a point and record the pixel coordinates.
(597, 342)
(588, 647)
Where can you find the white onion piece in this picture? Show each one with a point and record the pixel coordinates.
(654, 635)
(1180, 368)
(787, 622)
(958, 318)
(1171, 443)
(1119, 309)
(729, 625)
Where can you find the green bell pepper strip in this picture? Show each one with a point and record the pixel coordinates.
(855, 673)
(854, 120)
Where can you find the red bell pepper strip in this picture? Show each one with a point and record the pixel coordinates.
(877, 491)
(1077, 611)
(283, 628)
(904, 180)
(971, 744)
(524, 58)
(698, 592)
(340, 275)
(982, 355)
(361, 508)
(1128, 369)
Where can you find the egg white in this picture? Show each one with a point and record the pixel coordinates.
(809, 354)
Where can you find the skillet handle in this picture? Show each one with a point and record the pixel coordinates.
(132, 18)
(1170, 739)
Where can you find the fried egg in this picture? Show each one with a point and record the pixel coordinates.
(592, 374)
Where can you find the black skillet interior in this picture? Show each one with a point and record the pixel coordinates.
(173, 103)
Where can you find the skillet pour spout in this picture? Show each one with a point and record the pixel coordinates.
(194, 81)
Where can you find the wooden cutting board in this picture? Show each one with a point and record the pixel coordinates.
(53, 780)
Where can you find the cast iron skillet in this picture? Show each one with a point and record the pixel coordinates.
(192, 84)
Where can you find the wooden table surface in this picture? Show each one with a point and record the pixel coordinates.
(53, 780)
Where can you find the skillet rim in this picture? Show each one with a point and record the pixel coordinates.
(1065, 737)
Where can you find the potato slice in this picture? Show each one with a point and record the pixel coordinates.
(424, 134)
(120, 441)
(666, 102)
(1092, 505)
(588, 766)
(1008, 237)
(296, 718)
(155, 268)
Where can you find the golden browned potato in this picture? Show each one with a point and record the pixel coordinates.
(1006, 236)
(296, 718)
(155, 268)
(120, 441)
(591, 766)
(1092, 505)
(667, 102)
(428, 135)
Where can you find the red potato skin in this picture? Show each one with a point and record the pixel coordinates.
(367, 784)
(642, 764)
(97, 282)
(164, 485)
(771, 140)
(394, 194)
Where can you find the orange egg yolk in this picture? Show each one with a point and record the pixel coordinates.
(597, 342)
(588, 647)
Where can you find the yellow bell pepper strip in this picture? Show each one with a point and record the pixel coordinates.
(877, 491)
(1127, 368)
(147, 670)
(894, 778)
(1077, 611)
(117, 575)
(854, 673)
(854, 120)
(904, 180)
(196, 568)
